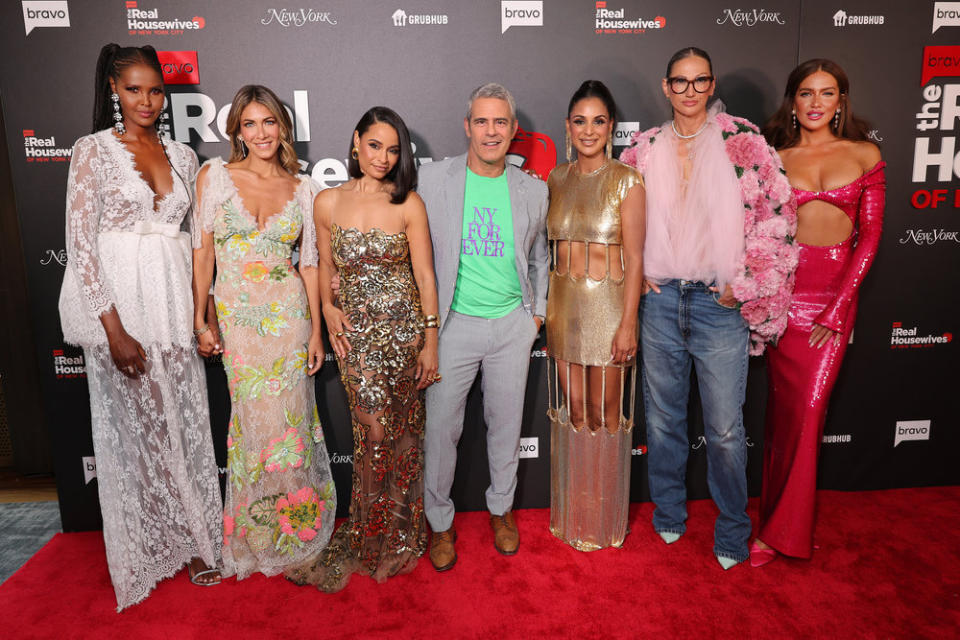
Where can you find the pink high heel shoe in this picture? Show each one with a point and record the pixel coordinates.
(760, 556)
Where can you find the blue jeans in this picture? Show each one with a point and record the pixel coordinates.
(685, 324)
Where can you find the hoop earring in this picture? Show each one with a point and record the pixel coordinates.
(609, 147)
(569, 148)
(354, 153)
(793, 114)
(243, 146)
(836, 120)
(117, 116)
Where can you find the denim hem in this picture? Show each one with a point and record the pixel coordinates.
(677, 530)
(739, 557)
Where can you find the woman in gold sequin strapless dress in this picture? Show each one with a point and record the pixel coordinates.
(373, 233)
(595, 227)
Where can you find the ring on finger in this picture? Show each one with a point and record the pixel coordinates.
(339, 334)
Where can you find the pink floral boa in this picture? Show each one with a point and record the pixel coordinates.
(764, 282)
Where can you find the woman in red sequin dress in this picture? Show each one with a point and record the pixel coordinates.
(837, 177)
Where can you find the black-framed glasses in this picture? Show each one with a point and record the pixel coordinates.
(700, 85)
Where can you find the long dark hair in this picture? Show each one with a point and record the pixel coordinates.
(688, 52)
(594, 89)
(780, 131)
(260, 94)
(111, 63)
(404, 173)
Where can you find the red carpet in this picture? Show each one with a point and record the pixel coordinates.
(888, 567)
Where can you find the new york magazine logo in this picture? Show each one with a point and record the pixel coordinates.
(297, 17)
(910, 337)
(612, 20)
(38, 13)
(926, 237)
(39, 149)
(147, 21)
(520, 13)
(749, 17)
(843, 19)
(54, 256)
(403, 19)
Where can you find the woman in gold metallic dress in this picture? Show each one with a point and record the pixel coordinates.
(372, 232)
(595, 226)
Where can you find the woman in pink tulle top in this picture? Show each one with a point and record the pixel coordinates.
(838, 179)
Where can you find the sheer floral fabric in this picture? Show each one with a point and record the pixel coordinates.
(280, 501)
(156, 473)
(384, 534)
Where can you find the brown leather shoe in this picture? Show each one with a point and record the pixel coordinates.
(443, 554)
(506, 538)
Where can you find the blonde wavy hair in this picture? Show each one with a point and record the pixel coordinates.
(261, 94)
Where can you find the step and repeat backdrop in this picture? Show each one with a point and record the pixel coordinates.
(893, 419)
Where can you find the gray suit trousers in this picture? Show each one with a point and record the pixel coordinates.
(500, 348)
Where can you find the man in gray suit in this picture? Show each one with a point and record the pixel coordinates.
(488, 226)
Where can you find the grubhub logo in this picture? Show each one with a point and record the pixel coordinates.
(520, 13)
(532, 150)
(179, 67)
(902, 338)
(65, 366)
(44, 13)
(402, 19)
(843, 19)
(611, 21)
(39, 149)
(911, 430)
(946, 14)
(146, 21)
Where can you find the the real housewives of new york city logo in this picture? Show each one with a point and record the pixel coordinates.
(902, 337)
(911, 430)
(65, 366)
(37, 13)
(39, 149)
(610, 20)
(146, 21)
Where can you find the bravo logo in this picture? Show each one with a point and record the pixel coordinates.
(911, 430)
(946, 14)
(179, 67)
(520, 13)
(533, 151)
(38, 13)
(529, 447)
(89, 468)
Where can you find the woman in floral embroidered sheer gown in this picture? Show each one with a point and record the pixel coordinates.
(373, 232)
(280, 501)
(126, 301)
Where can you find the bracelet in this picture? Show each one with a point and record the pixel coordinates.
(431, 322)
(202, 330)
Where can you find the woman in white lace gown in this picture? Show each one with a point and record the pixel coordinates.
(126, 301)
(252, 213)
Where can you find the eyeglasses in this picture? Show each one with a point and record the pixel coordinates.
(700, 85)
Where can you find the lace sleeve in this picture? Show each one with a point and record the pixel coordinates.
(83, 225)
(308, 237)
(205, 211)
(869, 223)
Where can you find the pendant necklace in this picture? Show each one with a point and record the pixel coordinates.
(673, 125)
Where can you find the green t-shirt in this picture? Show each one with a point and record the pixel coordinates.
(487, 282)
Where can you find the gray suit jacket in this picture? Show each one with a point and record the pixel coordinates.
(442, 187)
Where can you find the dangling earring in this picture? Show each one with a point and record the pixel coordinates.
(569, 148)
(354, 153)
(117, 116)
(609, 147)
(243, 146)
(836, 120)
(793, 114)
(163, 129)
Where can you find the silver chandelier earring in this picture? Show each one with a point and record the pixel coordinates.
(117, 116)
(793, 114)
(243, 147)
